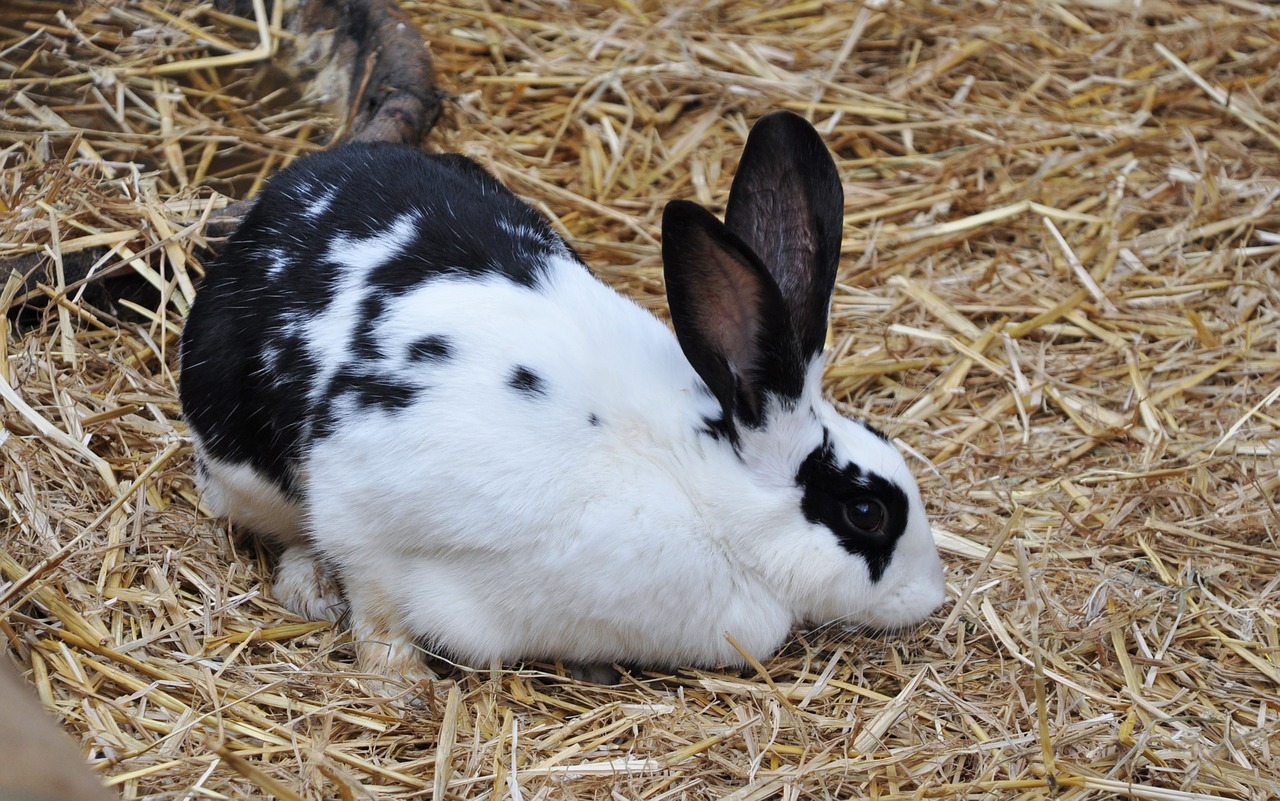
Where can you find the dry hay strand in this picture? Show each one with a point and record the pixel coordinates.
(1059, 293)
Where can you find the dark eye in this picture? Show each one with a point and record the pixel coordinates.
(865, 514)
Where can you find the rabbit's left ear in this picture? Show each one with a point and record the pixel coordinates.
(787, 205)
(728, 314)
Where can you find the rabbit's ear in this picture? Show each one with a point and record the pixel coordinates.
(787, 205)
(728, 314)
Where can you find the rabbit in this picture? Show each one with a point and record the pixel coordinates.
(401, 374)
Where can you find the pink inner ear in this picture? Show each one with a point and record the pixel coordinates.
(729, 309)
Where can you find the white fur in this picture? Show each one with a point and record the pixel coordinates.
(499, 525)
(321, 204)
(277, 261)
(237, 491)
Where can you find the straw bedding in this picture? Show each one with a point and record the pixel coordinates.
(1059, 292)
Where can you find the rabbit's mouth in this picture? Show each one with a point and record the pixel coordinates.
(858, 626)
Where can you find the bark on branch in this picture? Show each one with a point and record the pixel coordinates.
(365, 56)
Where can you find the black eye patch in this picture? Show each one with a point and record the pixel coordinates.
(866, 512)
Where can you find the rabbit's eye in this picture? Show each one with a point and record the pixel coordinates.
(865, 514)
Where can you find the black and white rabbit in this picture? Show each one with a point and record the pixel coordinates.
(399, 371)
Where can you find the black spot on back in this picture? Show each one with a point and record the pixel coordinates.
(371, 308)
(431, 348)
(524, 380)
(385, 394)
(369, 391)
(593, 420)
(829, 488)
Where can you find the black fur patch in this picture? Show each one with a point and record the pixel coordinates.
(431, 348)
(593, 420)
(385, 394)
(234, 402)
(522, 379)
(369, 392)
(371, 308)
(719, 428)
(884, 437)
(830, 489)
(323, 421)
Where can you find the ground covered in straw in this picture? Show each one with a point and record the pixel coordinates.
(1059, 292)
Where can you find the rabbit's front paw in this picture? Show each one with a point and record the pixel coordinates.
(306, 587)
(385, 649)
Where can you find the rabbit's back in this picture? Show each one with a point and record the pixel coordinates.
(288, 320)
(372, 285)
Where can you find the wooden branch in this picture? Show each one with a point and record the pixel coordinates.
(372, 58)
(365, 55)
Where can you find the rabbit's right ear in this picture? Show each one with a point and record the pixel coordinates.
(787, 205)
(728, 313)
